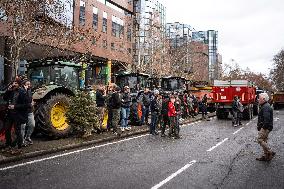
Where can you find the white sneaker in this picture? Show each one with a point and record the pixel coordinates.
(122, 129)
(128, 128)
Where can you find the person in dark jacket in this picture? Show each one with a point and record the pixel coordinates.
(125, 108)
(204, 106)
(264, 126)
(115, 102)
(164, 115)
(235, 109)
(30, 125)
(155, 111)
(100, 101)
(134, 118)
(17, 115)
(110, 90)
(146, 100)
(178, 110)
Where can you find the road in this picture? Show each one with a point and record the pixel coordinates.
(211, 154)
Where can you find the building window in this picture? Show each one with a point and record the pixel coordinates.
(105, 43)
(113, 25)
(3, 15)
(104, 29)
(82, 14)
(117, 27)
(94, 41)
(121, 29)
(129, 33)
(95, 18)
(112, 46)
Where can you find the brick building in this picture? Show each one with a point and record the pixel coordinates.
(101, 30)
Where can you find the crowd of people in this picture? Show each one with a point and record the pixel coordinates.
(151, 108)
(159, 111)
(20, 114)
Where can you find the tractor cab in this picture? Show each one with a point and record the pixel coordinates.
(154, 83)
(173, 84)
(135, 81)
(60, 73)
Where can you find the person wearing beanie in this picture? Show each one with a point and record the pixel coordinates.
(17, 113)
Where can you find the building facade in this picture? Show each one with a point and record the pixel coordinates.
(190, 58)
(101, 30)
(179, 34)
(149, 34)
(210, 38)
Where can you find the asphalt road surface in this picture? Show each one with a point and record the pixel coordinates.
(211, 154)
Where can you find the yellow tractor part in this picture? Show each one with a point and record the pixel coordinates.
(58, 118)
(105, 119)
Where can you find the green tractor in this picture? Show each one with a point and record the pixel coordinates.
(53, 83)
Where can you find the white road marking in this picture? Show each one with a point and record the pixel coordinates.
(212, 148)
(69, 153)
(174, 175)
(238, 130)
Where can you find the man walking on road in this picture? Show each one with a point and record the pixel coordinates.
(264, 126)
(235, 110)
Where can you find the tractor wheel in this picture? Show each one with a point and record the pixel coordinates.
(50, 116)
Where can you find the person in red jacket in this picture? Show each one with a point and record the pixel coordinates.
(172, 117)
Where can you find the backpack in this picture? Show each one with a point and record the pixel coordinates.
(240, 107)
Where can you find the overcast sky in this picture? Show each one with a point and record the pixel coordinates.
(250, 31)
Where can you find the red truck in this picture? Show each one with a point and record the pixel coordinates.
(224, 92)
(278, 100)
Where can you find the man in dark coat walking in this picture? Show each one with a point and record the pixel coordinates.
(264, 126)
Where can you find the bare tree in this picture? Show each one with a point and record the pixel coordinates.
(43, 23)
(234, 72)
(278, 70)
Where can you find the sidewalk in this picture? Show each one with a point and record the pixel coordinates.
(44, 146)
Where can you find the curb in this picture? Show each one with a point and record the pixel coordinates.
(73, 146)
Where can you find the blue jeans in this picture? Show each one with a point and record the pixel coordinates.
(124, 117)
(30, 125)
(145, 114)
(154, 121)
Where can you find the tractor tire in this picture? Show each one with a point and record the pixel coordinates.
(50, 116)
